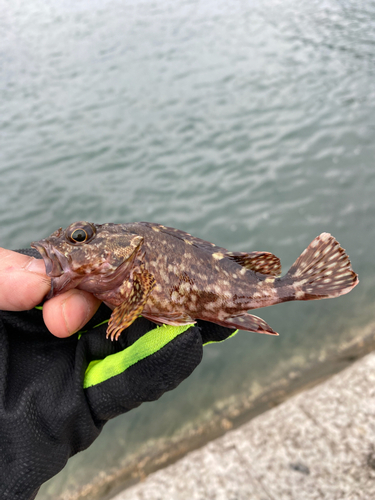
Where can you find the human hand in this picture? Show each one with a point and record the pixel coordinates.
(74, 385)
(24, 284)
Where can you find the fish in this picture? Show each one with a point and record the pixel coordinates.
(171, 277)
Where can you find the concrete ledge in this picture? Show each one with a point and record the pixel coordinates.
(319, 444)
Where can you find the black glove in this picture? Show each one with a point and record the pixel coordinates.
(56, 394)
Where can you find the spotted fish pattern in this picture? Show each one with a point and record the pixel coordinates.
(172, 277)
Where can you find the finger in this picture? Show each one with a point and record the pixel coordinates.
(69, 312)
(10, 260)
(23, 279)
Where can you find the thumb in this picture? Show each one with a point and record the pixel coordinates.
(23, 281)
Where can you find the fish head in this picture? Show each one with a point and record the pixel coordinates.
(92, 257)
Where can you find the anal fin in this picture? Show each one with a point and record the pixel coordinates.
(128, 311)
(248, 322)
(259, 262)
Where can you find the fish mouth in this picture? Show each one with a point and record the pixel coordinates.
(51, 261)
(56, 266)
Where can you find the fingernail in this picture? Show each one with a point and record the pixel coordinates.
(75, 311)
(36, 266)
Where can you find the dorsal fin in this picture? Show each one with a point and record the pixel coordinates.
(186, 237)
(259, 262)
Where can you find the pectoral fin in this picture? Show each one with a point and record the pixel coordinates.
(259, 262)
(124, 314)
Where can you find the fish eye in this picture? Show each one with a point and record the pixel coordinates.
(80, 234)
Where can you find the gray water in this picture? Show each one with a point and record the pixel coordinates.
(248, 124)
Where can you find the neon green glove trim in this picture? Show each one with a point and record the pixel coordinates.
(103, 369)
(102, 323)
(219, 341)
(81, 332)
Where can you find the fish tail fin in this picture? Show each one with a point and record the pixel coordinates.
(322, 271)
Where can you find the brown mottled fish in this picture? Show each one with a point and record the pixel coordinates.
(171, 277)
